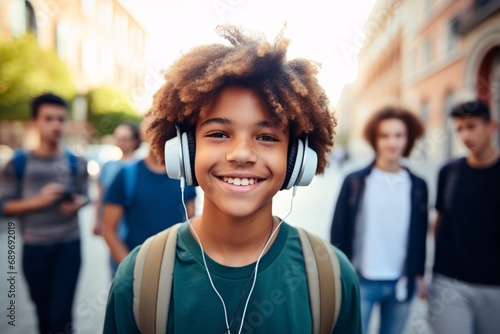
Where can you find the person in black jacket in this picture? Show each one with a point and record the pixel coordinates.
(380, 221)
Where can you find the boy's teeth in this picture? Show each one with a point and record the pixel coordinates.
(239, 181)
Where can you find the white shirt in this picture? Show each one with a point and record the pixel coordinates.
(385, 220)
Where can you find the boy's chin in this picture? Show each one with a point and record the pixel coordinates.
(240, 210)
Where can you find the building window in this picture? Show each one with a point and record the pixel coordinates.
(121, 37)
(480, 3)
(17, 17)
(106, 15)
(427, 55)
(30, 18)
(62, 34)
(448, 104)
(424, 112)
(428, 7)
(452, 34)
(89, 56)
(88, 7)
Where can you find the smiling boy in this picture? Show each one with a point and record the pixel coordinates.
(238, 268)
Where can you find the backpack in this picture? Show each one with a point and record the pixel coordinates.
(154, 269)
(20, 158)
(130, 171)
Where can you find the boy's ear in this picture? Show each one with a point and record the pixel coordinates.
(494, 125)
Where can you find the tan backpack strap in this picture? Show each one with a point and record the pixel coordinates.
(153, 274)
(323, 277)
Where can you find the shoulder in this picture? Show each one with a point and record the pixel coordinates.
(119, 316)
(457, 163)
(70, 154)
(360, 173)
(81, 159)
(348, 274)
(417, 180)
(124, 278)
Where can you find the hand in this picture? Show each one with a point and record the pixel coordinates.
(422, 290)
(49, 194)
(71, 207)
(97, 230)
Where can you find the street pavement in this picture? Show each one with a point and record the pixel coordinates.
(312, 209)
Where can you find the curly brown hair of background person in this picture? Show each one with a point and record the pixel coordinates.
(288, 89)
(414, 128)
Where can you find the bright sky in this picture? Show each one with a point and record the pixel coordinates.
(318, 29)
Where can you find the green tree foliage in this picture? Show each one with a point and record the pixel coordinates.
(27, 70)
(107, 108)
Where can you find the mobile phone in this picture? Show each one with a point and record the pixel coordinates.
(67, 196)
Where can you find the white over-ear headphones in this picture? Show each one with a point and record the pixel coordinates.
(180, 153)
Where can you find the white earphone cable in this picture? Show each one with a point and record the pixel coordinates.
(260, 256)
(256, 264)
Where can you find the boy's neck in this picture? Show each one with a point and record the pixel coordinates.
(234, 241)
(485, 158)
(127, 156)
(153, 165)
(391, 166)
(47, 149)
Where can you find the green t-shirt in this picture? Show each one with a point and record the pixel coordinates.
(279, 302)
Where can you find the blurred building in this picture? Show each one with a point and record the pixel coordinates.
(100, 40)
(427, 55)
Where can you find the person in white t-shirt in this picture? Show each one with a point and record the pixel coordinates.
(380, 221)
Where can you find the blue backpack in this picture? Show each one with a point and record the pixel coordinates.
(130, 172)
(20, 158)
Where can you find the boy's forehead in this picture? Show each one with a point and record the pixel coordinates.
(237, 105)
(469, 120)
(51, 110)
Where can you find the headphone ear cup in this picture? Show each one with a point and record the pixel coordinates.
(186, 159)
(300, 170)
(173, 158)
(308, 170)
(291, 161)
(191, 144)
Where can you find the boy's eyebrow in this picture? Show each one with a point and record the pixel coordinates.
(267, 124)
(225, 121)
(217, 120)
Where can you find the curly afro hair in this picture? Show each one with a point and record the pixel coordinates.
(288, 89)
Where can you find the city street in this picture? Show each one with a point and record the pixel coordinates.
(312, 209)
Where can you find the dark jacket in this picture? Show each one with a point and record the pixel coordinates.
(347, 211)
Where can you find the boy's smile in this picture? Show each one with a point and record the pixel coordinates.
(241, 156)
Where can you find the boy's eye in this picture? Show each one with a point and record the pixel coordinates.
(267, 138)
(217, 135)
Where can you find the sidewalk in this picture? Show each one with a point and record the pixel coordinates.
(92, 289)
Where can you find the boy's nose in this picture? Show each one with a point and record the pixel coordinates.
(241, 152)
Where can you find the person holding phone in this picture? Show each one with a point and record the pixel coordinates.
(45, 188)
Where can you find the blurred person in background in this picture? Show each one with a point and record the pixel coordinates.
(381, 218)
(128, 139)
(464, 296)
(146, 197)
(45, 188)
